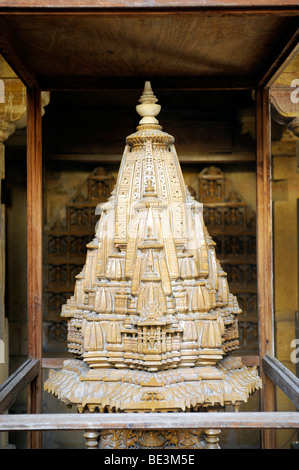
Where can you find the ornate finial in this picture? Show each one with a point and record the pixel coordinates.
(148, 108)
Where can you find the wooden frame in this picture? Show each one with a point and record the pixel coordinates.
(34, 252)
(264, 251)
(30, 374)
(16, 382)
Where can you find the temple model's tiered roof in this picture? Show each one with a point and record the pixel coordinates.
(152, 321)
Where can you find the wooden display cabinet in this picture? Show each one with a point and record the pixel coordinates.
(190, 45)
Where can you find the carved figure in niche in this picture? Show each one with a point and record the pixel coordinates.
(57, 245)
(151, 321)
(78, 217)
(57, 331)
(211, 187)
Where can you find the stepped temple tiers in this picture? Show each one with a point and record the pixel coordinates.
(152, 322)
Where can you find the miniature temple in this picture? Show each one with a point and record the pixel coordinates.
(152, 323)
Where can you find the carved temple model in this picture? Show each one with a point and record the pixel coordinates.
(152, 323)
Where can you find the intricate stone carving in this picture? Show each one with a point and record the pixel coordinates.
(152, 320)
(231, 223)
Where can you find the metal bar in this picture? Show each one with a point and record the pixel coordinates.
(150, 421)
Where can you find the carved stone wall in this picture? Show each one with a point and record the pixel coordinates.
(65, 241)
(232, 225)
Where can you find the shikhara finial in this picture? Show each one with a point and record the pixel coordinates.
(148, 108)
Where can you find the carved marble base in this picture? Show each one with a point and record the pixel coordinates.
(92, 439)
(185, 389)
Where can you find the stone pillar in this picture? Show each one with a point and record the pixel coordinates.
(211, 436)
(91, 439)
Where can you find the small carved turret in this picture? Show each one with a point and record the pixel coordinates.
(148, 108)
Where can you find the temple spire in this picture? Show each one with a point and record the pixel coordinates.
(148, 108)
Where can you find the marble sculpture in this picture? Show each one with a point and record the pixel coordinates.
(152, 324)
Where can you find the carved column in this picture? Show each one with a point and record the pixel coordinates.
(92, 439)
(212, 435)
